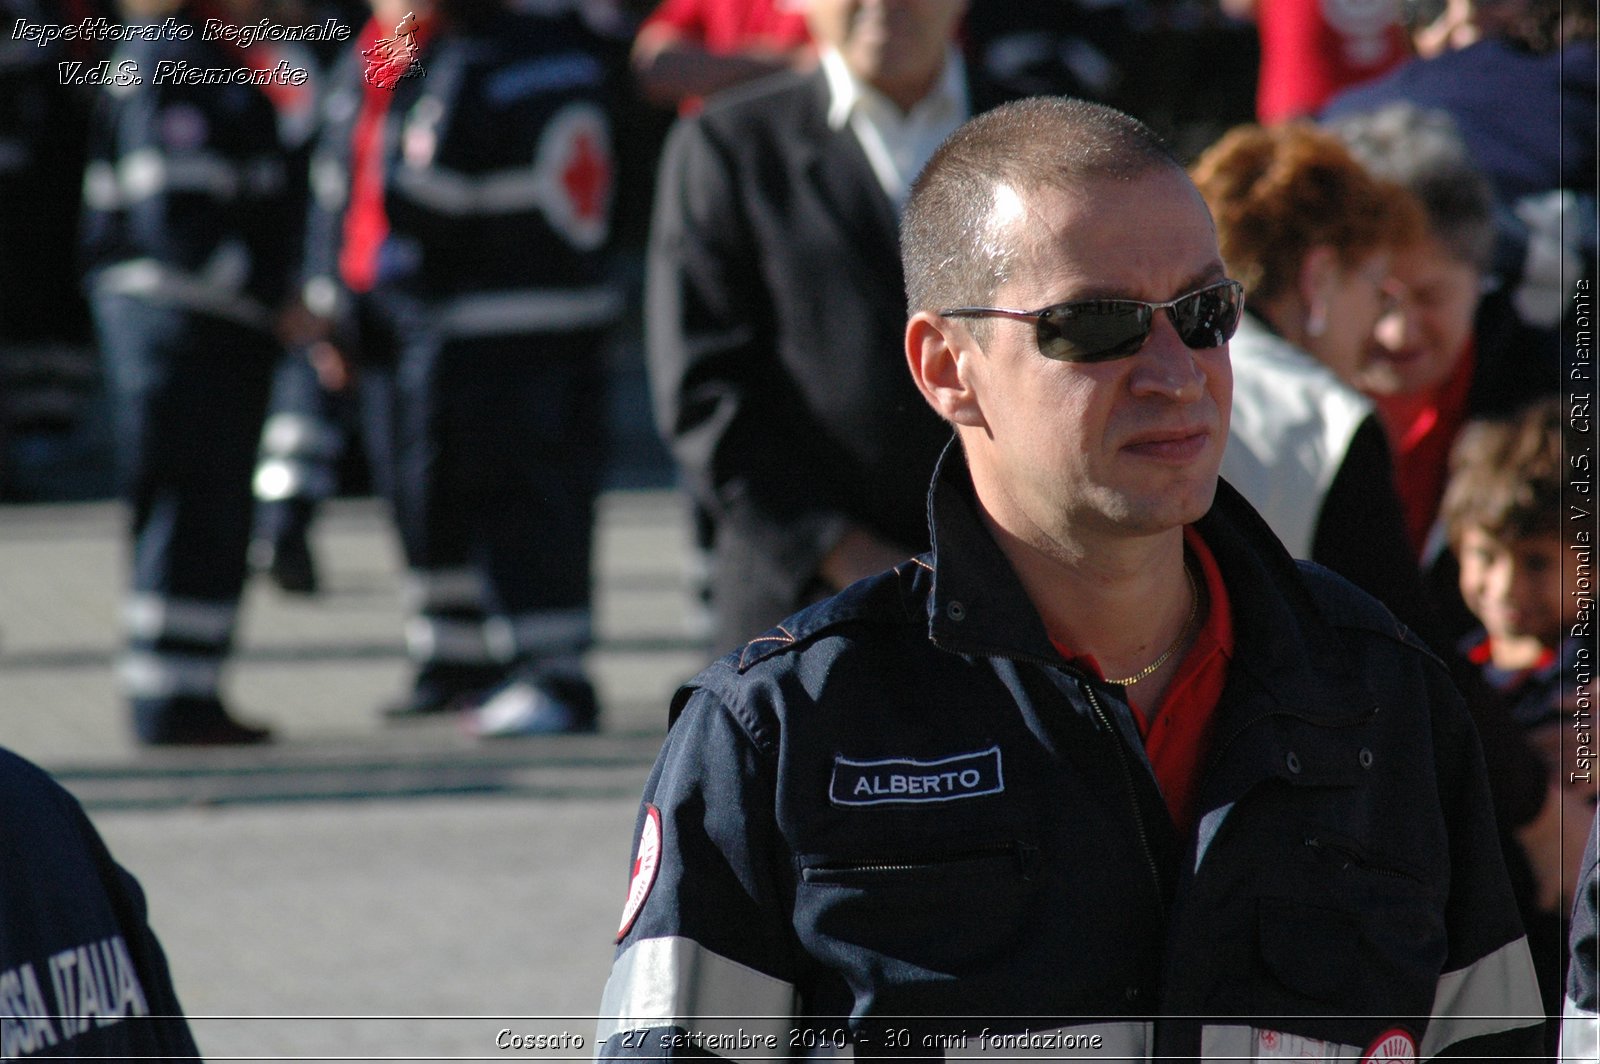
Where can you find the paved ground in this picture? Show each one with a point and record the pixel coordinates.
(359, 890)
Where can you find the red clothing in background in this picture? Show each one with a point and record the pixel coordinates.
(366, 225)
(1310, 49)
(723, 26)
(1177, 735)
(1421, 430)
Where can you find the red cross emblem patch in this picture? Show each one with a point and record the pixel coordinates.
(646, 863)
(577, 172)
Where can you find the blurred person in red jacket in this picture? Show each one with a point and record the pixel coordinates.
(1311, 49)
(688, 49)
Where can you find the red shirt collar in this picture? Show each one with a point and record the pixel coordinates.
(1177, 736)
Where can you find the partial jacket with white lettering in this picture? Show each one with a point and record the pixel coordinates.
(902, 821)
(81, 973)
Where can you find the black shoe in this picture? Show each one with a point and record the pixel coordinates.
(441, 690)
(192, 722)
(288, 561)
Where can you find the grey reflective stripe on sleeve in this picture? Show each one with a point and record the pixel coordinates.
(159, 283)
(529, 310)
(449, 192)
(146, 173)
(1088, 1041)
(154, 674)
(152, 617)
(1580, 1035)
(1496, 993)
(1231, 1043)
(676, 982)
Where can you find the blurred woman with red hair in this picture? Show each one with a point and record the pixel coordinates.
(1310, 233)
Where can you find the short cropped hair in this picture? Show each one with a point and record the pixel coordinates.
(951, 245)
(1423, 151)
(1505, 476)
(1277, 192)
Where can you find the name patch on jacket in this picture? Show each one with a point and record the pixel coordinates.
(903, 780)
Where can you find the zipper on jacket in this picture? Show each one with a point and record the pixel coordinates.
(1025, 854)
(1127, 777)
(1352, 856)
(1085, 685)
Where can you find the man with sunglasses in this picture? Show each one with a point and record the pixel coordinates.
(1105, 775)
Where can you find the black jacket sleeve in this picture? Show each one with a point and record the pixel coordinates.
(705, 949)
(735, 420)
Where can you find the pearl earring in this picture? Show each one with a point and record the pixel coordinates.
(1317, 319)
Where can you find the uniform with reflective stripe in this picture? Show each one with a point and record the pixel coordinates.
(188, 227)
(188, 195)
(299, 450)
(175, 645)
(493, 294)
(904, 810)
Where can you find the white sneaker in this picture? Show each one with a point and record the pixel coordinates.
(524, 708)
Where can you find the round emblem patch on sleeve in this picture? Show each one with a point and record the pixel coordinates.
(646, 863)
(575, 171)
(1394, 1046)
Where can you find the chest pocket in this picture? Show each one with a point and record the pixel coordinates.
(1345, 930)
(943, 912)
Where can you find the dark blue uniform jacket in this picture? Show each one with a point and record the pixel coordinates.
(188, 198)
(901, 820)
(81, 973)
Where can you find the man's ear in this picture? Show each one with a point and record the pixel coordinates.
(942, 354)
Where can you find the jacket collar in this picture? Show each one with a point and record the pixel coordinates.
(977, 604)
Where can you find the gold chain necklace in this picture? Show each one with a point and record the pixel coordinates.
(1183, 634)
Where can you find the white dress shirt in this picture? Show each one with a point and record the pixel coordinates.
(897, 143)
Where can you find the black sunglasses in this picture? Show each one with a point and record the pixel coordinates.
(1100, 330)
